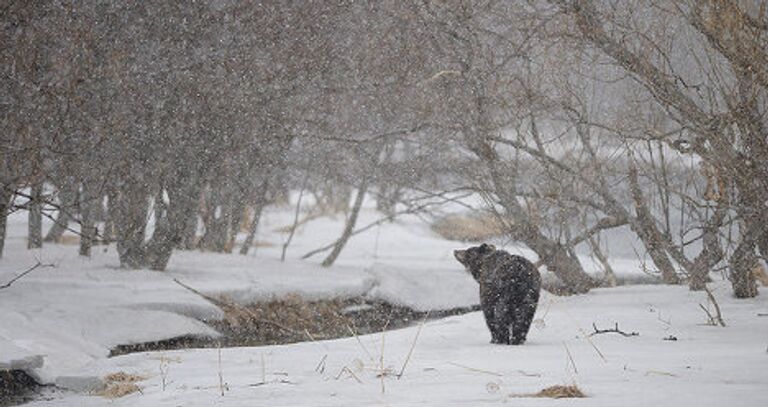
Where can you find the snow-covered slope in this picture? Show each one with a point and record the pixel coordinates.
(453, 363)
(72, 314)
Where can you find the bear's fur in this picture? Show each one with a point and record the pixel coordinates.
(509, 290)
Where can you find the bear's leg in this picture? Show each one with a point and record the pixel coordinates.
(523, 316)
(499, 334)
(503, 321)
(490, 321)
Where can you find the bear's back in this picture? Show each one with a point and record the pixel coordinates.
(503, 272)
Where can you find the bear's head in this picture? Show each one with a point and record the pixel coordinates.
(473, 257)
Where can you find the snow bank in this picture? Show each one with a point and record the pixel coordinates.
(424, 290)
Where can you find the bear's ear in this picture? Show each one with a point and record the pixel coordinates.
(487, 248)
(460, 255)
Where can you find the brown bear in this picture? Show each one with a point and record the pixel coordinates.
(509, 290)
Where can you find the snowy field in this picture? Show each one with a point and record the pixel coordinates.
(59, 323)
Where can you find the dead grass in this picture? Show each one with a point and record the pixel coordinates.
(555, 392)
(263, 243)
(74, 240)
(120, 384)
(292, 319)
(312, 215)
(71, 240)
(288, 317)
(470, 227)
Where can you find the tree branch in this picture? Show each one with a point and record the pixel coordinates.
(24, 273)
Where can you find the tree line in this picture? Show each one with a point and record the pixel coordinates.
(569, 118)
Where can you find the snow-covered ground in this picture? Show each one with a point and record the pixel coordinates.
(61, 322)
(453, 363)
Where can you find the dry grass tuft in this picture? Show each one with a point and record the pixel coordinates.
(559, 392)
(470, 228)
(555, 392)
(119, 389)
(122, 377)
(120, 384)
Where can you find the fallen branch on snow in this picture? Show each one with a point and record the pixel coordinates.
(614, 330)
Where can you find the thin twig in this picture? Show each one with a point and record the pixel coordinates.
(570, 358)
(381, 360)
(413, 345)
(587, 337)
(221, 373)
(321, 365)
(351, 373)
(295, 219)
(718, 315)
(476, 370)
(263, 369)
(25, 272)
(359, 342)
(382, 372)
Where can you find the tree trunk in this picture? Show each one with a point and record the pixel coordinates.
(130, 217)
(67, 204)
(389, 196)
(561, 262)
(762, 244)
(261, 200)
(744, 259)
(235, 221)
(555, 256)
(88, 196)
(743, 262)
(609, 277)
(35, 225)
(349, 226)
(108, 235)
(5, 203)
(189, 232)
(644, 226)
(711, 252)
(699, 276)
(169, 232)
(217, 220)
